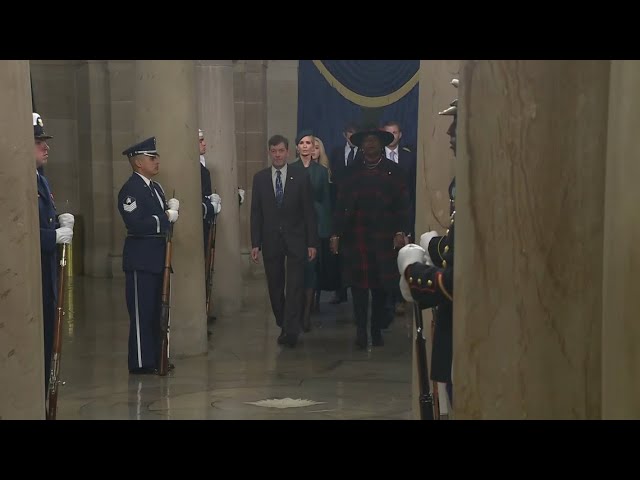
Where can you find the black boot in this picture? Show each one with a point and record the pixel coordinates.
(306, 316)
(361, 338)
(376, 338)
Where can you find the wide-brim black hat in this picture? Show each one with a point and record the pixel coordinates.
(385, 137)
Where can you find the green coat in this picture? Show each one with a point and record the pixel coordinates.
(319, 176)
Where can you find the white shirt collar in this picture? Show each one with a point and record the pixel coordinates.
(283, 170)
(202, 160)
(146, 180)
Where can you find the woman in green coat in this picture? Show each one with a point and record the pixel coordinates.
(319, 176)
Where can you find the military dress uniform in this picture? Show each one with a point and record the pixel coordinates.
(49, 238)
(142, 205)
(432, 286)
(431, 281)
(208, 209)
(48, 262)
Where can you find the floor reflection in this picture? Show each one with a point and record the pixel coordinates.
(243, 364)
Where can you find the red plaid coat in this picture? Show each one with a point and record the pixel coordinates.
(372, 206)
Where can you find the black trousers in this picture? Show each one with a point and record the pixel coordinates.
(286, 308)
(378, 307)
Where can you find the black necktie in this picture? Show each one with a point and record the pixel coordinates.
(351, 155)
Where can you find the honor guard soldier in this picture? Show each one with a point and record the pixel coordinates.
(211, 202)
(54, 230)
(426, 276)
(147, 216)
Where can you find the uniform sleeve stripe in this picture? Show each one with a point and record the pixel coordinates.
(157, 223)
(439, 251)
(441, 285)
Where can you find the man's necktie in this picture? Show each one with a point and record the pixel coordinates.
(393, 155)
(279, 189)
(155, 193)
(351, 155)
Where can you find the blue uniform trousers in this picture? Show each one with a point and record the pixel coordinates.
(144, 293)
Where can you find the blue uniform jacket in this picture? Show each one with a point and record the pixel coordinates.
(147, 225)
(48, 253)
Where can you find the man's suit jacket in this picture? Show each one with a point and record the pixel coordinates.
(294, 222)
(337, 162)
(407, 162)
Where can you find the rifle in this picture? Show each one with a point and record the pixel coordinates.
(425, 398)
(436, 396)
(54, 381)
(211, 255)
(165, 305)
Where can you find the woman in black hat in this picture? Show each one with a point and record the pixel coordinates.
(369, 221)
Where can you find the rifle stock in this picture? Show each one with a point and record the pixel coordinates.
(165, 307)
(54, 381)
(425, 397)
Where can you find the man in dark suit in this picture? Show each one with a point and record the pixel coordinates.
(54, 230)
(147, 216)
(405, 157)
(283, 225)
(342, 157)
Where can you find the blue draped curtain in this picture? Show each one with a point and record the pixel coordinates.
(332, 93)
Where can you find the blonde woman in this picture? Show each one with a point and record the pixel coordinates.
(327, 267)
(320, 155)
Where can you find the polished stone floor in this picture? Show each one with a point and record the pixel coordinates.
(243, 366)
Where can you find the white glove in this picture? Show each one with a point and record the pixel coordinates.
(173, 215)
(216, 201)
(64, 235)
(66, 220)
(425, 238)
(408, 255)
(241, 193)
(173, 204)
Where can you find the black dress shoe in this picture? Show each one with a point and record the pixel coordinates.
(143, 371)
(361, 339)
(288, 340)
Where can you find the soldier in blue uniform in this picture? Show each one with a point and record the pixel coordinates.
(54, 229)
(426, 277)
(147, 216)
(211, 202)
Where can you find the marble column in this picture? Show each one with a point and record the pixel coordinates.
(214, 80)
(121, 92)
(621, 265)
(165, 107)
(435, 168)
(250, 96)
(21, 341)
(95, 167)
(529, 239)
